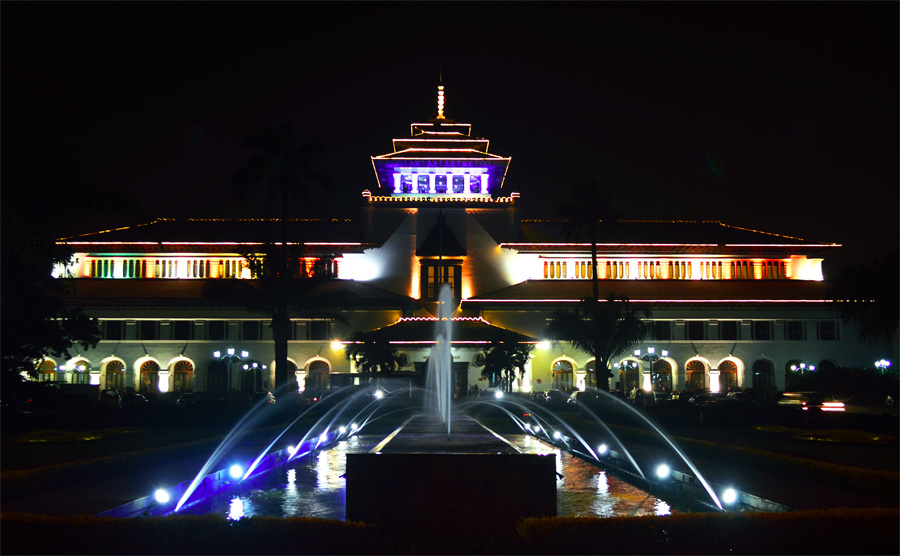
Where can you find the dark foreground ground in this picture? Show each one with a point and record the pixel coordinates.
(863, 442)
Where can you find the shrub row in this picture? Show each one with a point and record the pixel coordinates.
(24, 482)
(842, 531)
(872, 481)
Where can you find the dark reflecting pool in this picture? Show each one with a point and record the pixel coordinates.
(313, 486)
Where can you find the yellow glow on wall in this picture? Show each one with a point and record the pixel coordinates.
(467, 287)
(726, 270)
(664, 270)
(757, 270)
(601, 269)
(415, 275)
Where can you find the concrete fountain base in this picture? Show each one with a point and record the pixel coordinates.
(473, 482)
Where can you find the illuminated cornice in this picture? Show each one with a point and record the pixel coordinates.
(647, 301)
(424, 198)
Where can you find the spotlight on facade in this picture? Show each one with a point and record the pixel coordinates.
(336, 345)
(729, 496)
(543, 345)
(235, 471)
(663, 471)
(161, 496)
(602, 449)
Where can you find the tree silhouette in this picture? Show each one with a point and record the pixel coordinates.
(866, 294)
(588, 210)
(282, 167)
(48, 193)
(283, 289)
(603, 329)
(372, 354)
(505, 358)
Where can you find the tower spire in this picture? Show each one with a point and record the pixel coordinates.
(440, 99)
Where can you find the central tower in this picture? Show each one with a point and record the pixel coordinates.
(440, 158)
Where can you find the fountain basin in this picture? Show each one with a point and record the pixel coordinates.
(436, 493)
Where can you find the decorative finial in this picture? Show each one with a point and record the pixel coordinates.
(440, 102)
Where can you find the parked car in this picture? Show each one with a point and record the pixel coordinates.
(587, 399)
(133, 398)
(187, 399)
(260, 396)
(556, 398)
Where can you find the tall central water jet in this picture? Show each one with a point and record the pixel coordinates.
(440, 374)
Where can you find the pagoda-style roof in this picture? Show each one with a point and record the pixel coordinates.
(660, 236)
(729, 293)
(464, 330)
(218, 235)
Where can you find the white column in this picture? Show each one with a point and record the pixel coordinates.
(431, 183)
(483, 183)
(396, 183)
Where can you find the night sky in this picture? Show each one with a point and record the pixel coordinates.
(774, 116)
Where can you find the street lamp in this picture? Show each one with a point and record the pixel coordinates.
(882, 365)
(651, 358)
(256, 367)
(801, 368)
(230, 357)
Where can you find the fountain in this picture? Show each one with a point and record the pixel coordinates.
(439, 378)
(421, 450)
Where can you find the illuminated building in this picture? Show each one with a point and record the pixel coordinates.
(731, 307)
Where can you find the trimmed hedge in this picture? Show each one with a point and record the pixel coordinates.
(843, 531)
(23, 482)
(872, 481)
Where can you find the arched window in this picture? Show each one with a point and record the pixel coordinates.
(150, 376)
(762, 374)
(46, 371)
(695, 374)
(115, 375)
(629, 376)
(317, 375)
(562, 375)
(727, 375)
(81, 372)
(661, 376)
(184, 375)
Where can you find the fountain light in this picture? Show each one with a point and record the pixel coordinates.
(342, 429)
(602, 449)
(292, 450)
(729, 496)
(537, 429)
(353, 426)
(498, 394)
(557, 435)
(235, 471)
(161, 496)
(663, 471)
(379, 393)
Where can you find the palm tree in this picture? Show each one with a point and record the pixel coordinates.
(284, 168)
(505, 358)
(372, 353)
(602, 328)
(589, 208)
(857, 284)
(282, 290)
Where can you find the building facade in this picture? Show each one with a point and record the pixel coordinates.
(730, 307)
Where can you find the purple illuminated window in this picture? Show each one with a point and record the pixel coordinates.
(406, 183)
(423, 184)
(459, 184)
(440, 184)
(475, 184)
